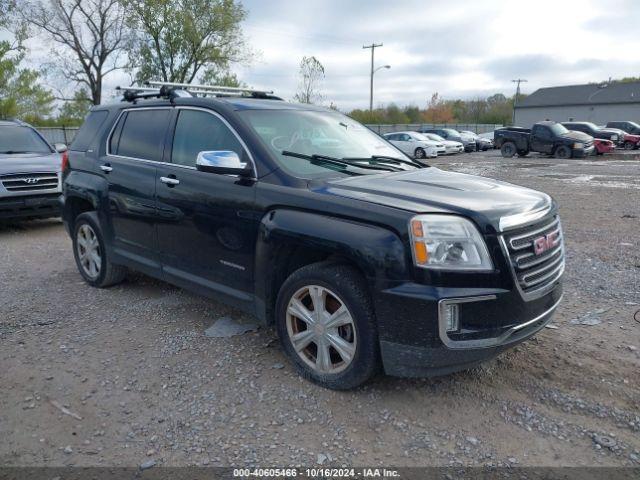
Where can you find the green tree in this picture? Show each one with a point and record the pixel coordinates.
(21, 95)
(224, 78)
(177, 40)
(73, 111)
(311, 76)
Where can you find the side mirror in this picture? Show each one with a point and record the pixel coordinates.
(223, 162)
(60, 147)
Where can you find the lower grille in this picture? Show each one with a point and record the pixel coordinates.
(29, 182)
(536, 254)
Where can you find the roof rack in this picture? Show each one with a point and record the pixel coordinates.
(170, 90)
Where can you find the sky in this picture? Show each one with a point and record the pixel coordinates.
(460, 49)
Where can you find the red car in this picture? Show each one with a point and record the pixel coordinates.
(631, 142)
(603, 146)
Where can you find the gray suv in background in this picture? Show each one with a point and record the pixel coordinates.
(30, 181)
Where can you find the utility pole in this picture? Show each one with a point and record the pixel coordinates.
(517, 81)
(373, 48)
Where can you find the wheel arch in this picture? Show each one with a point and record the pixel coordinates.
(291, 239)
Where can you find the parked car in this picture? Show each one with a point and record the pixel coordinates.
(628, 140)
(594, 131)
(629, 127)
(482, 144)
(545, 137)
(452, 135)
(415, 144)
(30, 183)
(603, 146)
(362, 258)
(450, 147)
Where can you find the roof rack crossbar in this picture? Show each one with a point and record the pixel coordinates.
(219, 89)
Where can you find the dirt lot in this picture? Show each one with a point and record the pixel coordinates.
(133, 364)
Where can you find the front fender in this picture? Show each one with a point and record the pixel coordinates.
(378, 252)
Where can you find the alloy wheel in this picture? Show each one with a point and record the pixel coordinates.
(89, 252)
(321, 329)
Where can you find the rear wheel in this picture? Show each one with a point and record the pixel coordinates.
(563, 152)
(326, 325)
(90, 254)
(508, 149)
(420, 153)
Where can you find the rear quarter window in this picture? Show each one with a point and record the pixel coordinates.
(89, 130)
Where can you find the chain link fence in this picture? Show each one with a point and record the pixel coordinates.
(400, 127)
(59, 134)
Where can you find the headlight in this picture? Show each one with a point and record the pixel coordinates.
(578, 145)
(447, 242)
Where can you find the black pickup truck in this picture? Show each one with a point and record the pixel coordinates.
(361, 258)
(545, 137)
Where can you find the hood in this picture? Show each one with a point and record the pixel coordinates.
(29, 163)
(451, 143)
(434, 190)
(578, 136)
(617, 131)
(467, 138)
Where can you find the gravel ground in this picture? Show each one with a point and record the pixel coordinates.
(140, 382)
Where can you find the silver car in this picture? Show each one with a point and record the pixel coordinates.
(30, 172)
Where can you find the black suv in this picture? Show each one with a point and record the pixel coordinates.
(361, 258)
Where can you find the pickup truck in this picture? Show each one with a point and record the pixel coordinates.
(359, 257)
(544, 137)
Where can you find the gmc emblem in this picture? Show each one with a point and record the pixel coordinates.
(546, 242)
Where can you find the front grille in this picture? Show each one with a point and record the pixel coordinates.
(534, 271)
(29, 182)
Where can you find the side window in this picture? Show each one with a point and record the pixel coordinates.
(115, 136)
(391, 137)
(405, 137)
(198, 131)
(142, 134)
(89, 130)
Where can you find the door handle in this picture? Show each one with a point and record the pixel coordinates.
(170, 181)
(106, 168)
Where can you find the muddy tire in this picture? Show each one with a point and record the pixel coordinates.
(562, 152)
(508, 149)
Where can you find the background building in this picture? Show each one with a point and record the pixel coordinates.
(598, 103)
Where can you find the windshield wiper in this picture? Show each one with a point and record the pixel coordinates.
(324, 159)
(388, 159)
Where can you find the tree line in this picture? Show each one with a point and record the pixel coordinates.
(171, 40)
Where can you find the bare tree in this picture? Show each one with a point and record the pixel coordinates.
(311, 75)
(88, 36)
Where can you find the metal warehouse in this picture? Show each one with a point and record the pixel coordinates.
(594, 102)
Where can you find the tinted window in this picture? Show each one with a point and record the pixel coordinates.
(19, 139)
(198, 131)
(143, 134)
(89, 129)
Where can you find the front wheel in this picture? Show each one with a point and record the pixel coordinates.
(420, 153)
(508, 149)
(630, 146)
(563, 152)
(326, 325)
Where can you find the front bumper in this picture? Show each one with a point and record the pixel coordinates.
(582, 152)
(413, 337)
(30, 206)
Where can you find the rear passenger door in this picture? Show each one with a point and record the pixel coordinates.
(135, 147)
(207, 224)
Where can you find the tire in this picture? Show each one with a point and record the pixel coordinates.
(629, 146)
(420, 153)
(562, 152)
(90, 254)
(523, 153)
(339, 286)
(508, 149)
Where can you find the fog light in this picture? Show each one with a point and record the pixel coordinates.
(451, 319)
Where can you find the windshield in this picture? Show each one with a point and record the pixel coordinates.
(317, 133)
(558, 129)
(433, 136)
(19, 139)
